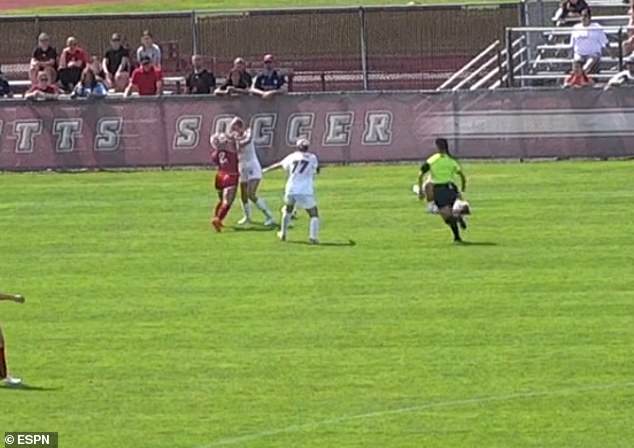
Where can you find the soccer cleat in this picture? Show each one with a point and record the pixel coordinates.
(12, 382)
(458, 241)
(270, 222)
(281, 236)
(244, 221)
(217, 224)
(313, 241)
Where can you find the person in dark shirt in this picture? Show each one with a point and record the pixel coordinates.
(568, 7)
(116, 64)
(200, 81)
(269, 80)
(44, 58)
(5, 87)
(240, 65)
(234, 85)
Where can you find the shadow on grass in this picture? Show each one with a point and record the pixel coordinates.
(27, 388)
(349, 243)
(478, 243)
(252, 228)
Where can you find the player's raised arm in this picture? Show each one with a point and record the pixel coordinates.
(273, 167)
(421, 176)
(245, 139)
(12, 297)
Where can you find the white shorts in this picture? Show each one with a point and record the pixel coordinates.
(250, 171)
(305, 201)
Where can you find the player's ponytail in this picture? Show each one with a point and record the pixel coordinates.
(443, 145)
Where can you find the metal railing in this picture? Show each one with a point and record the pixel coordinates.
(543, 67)
(492, 71)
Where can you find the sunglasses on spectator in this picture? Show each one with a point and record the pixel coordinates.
(43, 79)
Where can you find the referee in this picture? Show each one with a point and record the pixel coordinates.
(443, 169)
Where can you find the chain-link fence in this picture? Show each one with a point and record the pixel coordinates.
(326, 49)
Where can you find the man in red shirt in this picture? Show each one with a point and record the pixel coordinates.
(147, 80)
(72, 63)
(43, 89)
(225, 155)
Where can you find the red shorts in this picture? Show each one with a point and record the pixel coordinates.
(226, 180)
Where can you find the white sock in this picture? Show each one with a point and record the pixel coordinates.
(286, 219)
(314, 228)
(261, 204)
(246, 209)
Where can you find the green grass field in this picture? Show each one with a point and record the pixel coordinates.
(189, 5)
(142, 328)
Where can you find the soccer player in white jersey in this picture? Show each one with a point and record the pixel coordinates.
(301, 167)
(250, 173)
(4, 372)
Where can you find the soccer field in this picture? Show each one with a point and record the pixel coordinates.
(124, 6)
(143, 328)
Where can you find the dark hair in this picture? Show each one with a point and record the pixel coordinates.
(84, 75)
(442, 144)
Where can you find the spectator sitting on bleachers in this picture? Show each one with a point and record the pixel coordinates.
(578, 77)
(236, 85)
(569, 7)
(233, 85)
(44, 57)
(116, 64)
(240, 65)
(5, 87)
(588, 41)
(150, 49)
(628, 45)
(269, 80)
(624, 77)
(147, 80)
(43, 89)
(95, 66)
(72, 63)
(90, 86)
(200, 81)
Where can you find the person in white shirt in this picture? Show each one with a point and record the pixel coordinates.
(250, 173)
(624, 77)
(588, 41)
(150, 49)
(301, 167)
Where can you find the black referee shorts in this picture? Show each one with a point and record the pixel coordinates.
(445, 195)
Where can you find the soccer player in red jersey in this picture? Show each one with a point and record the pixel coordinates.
(225, 155)
(4, 372)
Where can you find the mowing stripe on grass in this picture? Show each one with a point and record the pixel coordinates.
(423, 407)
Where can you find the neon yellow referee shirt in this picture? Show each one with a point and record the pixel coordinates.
(443, 168)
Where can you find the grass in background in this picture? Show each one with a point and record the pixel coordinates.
(143, 328)
(189, 5)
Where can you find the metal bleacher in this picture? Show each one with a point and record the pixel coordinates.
(542, 55)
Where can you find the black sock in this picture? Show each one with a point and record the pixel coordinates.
(453, 224)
